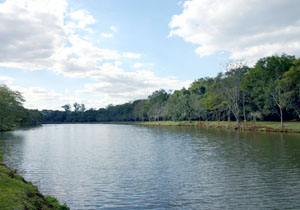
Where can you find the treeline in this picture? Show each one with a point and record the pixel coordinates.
(12, 112)
(268, 91)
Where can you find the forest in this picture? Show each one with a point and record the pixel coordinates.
(12, 112)
(269, 91)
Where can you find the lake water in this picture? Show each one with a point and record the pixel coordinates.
(94, 166)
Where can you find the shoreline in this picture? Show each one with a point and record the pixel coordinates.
(290, 127)
(17, 193)
(259, 126)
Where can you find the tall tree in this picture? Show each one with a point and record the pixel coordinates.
(290, 84)
(67, 107)
(214, 100)
(76, 107)
(156, 102)
(270, 71)
(11, 109)
(139, 110)
(233, 91)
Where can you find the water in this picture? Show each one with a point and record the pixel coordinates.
(94, 166)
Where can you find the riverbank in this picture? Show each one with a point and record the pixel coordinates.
(16, 193)
(289, 127)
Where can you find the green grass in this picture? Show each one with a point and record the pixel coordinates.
(16, 193)
(288, 125)
(258, 126)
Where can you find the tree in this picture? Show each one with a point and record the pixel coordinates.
(174, 106)
(156, 102)
(76, 107)
(139, 110)
(11, 109)
(233, 91)
(214, 99)
(199, 91)
(82, 108)
(67, 107)
(271, 70)
(198, 107)
(290, 84)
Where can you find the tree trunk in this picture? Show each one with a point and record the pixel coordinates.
(281, 117)
(244, 109)
(238, 121)
(228, 115)
(218, 118)
(244, 113)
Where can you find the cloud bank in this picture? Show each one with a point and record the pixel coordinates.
(247, 29)
(50, 35)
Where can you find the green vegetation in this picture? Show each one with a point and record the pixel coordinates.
(13, 114)
(16, 193)
(269, 91)
(293, 127)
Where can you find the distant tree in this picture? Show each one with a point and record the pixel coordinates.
(233, 89)
(139, 110)
(215, 100)
(82, 108)
(271, 70)
(156, 102)
(67, 107)
(174, 106)
(199, 91)
(290, 83)
(269, 91)
(76, 107)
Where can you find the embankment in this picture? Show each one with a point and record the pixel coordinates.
(16, 193)
(289, 127)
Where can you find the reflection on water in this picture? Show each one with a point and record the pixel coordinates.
(135, 167)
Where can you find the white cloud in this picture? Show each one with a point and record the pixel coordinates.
(247, 29)
(114, 85)
(39, 35)
(40, 98)
(44, 35)
(107, 35)
(139, 65)
(81, 18)
(30, 33)
(37, 97)
(113, 28)
(131, 55)
(5, 80)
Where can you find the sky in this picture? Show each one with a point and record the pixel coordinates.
(101, 52)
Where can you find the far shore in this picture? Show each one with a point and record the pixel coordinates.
(263, 126)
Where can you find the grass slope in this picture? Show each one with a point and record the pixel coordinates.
(16, 193)
(293, 127)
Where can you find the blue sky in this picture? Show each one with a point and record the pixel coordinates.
(101, 52)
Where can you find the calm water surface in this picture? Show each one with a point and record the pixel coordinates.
(93, 166)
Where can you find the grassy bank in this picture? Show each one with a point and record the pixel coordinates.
(292, 127)
(16, 193)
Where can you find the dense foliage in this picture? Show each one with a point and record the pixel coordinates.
(268, 91)
(12, 112)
